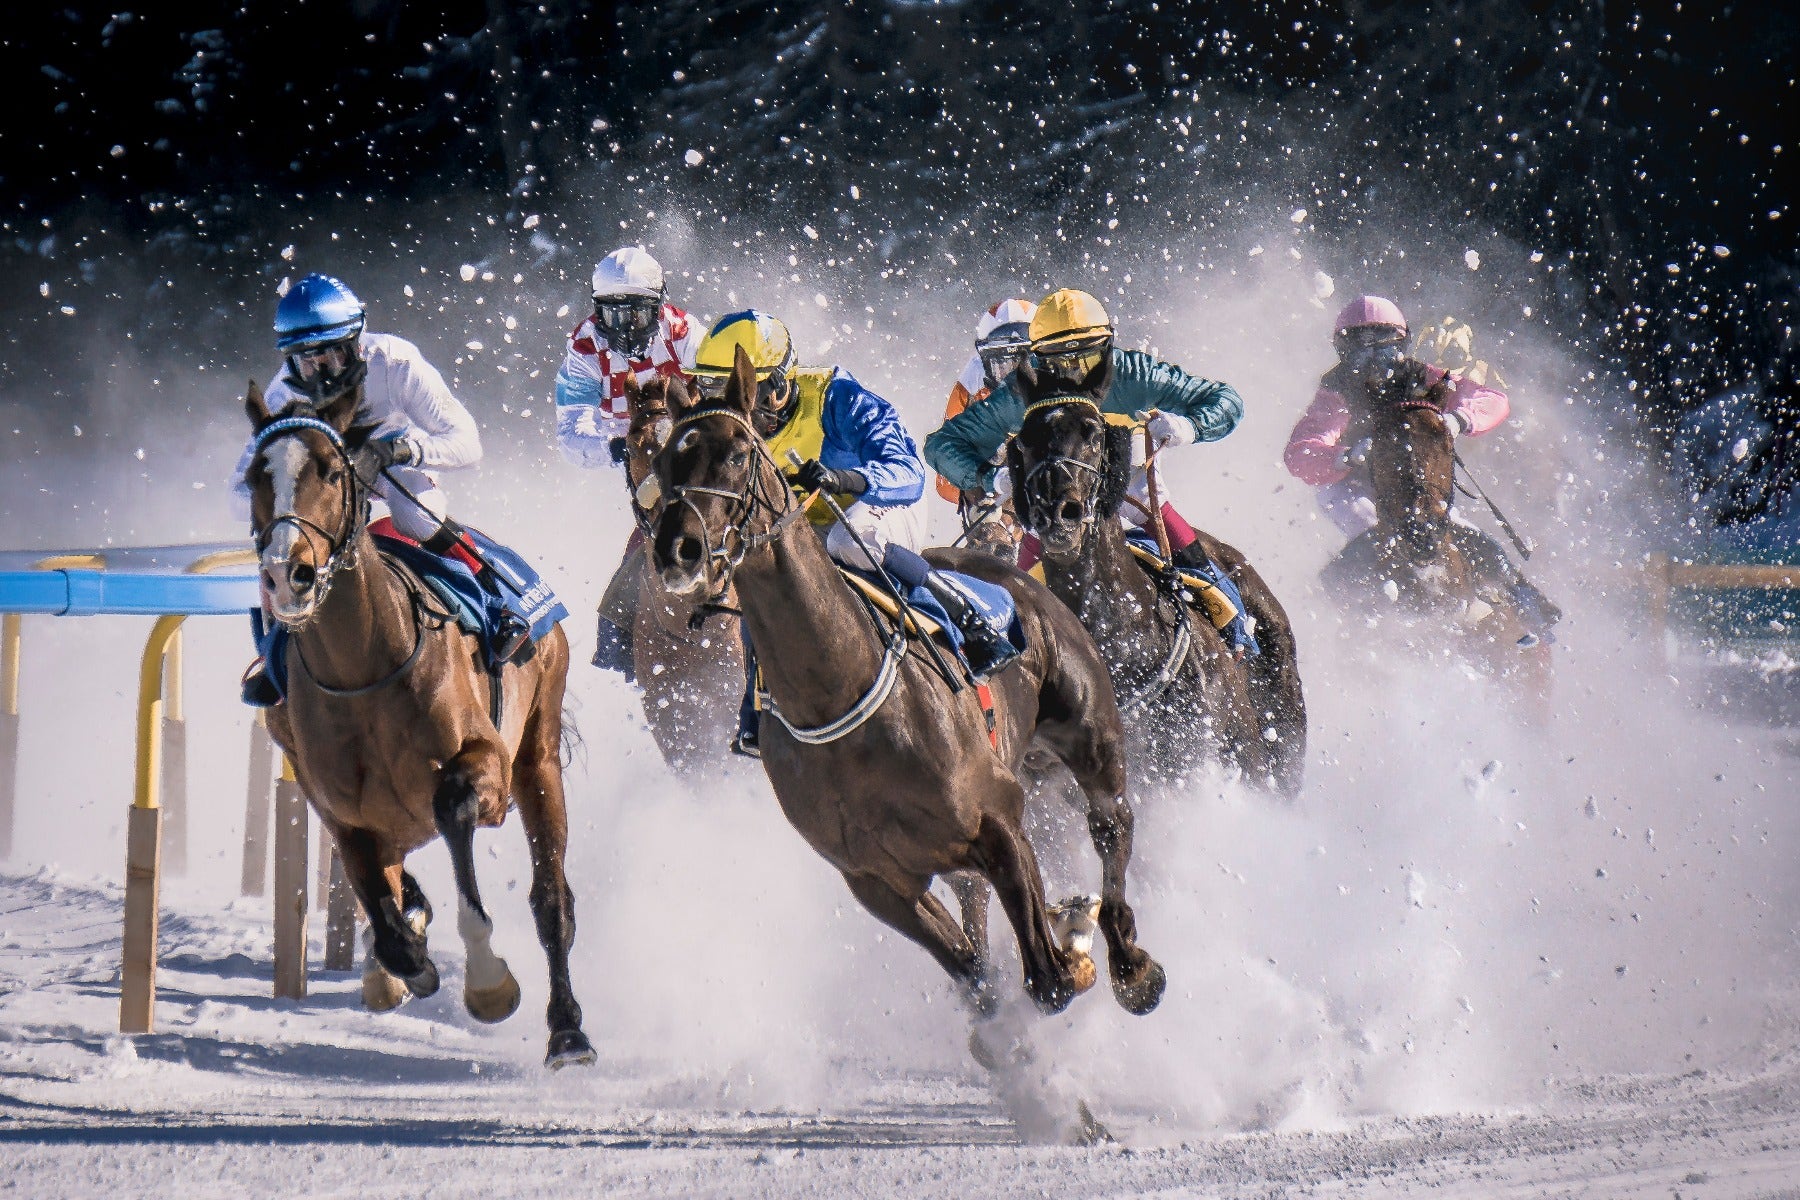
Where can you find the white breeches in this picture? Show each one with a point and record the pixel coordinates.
(879, 528)
(409, 518)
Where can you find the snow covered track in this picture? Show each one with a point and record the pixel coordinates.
(244, 1094)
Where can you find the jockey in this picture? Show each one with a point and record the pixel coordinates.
(1002, 340)
(1072, 342)
(1328, 451)
(853, 446)
(420, 426)
(633, 333)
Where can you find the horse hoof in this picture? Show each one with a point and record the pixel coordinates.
(495, 1004)
(569, 1048)
(1144, 995)
(381, 991)
(1082, 972)
(425, 983)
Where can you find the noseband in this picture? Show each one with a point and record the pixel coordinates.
(734, 542)
(1035, 487)
(340, 548)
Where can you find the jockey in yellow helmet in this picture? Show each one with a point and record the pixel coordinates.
(852, 445)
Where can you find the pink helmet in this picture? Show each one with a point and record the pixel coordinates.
(1369, 310)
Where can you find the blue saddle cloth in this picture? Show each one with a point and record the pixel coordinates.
(478, 608)
(992, 601)
(1238, 631)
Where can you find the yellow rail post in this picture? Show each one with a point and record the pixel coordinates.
(10, 636)
(174, 763)
(290, 886)
(137, 989)
(259, 794)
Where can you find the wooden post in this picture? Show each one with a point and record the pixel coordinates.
(137, 983)
(340, 920)
(137, 980)
(1659, 575)
(258, 796)
(10, 635)
(174, 763)
(290, 886)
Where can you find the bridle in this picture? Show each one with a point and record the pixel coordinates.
(340, 547)
(1035, 487)
(734, 542)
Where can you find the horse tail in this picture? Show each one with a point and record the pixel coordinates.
(574, 745)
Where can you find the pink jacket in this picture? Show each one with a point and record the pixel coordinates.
(1320, 434)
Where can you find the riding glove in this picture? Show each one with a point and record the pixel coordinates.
(1001, 488)
(617, 448)
(1455, 424)
(815, 476)
(1356, 455)
(1169, 429)
(394, 450)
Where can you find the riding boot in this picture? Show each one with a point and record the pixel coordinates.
(612, 649)
(748, 740)
(1489, 559)
(511, 636)
(257, 689)
(986, 648)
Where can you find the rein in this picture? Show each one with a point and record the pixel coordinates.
(1523, 546)
(340, 548)
(418, 608)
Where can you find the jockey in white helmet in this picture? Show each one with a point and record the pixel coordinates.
(632, 333)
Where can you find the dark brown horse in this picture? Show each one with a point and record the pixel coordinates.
(1411, 562)
(387, 722)
(881, 765)
(1186, 697)
(691, 670)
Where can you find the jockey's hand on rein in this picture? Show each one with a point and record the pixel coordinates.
(1357, 455)
(394, 450)
(815, 476)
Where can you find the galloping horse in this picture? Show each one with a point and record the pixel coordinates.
(690, 667)
(1186, 697)
(888, 770)
(387, 722)
(1411, 554)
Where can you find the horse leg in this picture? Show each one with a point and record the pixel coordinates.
(396, 962)
(971, 892)
(1053, 976)
(923, 918)
(413, 904)
(490, 992)
(1275, 673)
(538, 787)
(1097, 763)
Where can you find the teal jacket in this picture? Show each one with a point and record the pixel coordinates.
(963, 448)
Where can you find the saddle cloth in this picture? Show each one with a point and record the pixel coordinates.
(452, 579)
(993, 602)
(1208, 590)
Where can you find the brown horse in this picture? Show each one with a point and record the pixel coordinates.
(1411, 556)
(387, 722)
(881, 763)
(1186, 697)
(689, 663)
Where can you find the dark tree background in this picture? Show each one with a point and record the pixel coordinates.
(1637, 144)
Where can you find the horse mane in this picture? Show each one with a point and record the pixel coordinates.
(1116, 479)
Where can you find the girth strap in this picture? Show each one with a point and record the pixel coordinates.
(860, 712)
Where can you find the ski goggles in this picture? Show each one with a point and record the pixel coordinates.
(328, 361)
(1368, 337)
(1074, 359)
(997, 362)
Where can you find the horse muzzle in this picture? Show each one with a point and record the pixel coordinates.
(291, 588)
(1061, 536)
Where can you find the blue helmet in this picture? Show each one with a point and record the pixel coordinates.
(316, 311)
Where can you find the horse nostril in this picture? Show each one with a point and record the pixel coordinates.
(687, 551)
(301, 576)
(1070, 513)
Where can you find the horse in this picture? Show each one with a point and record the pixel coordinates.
(691, 669)
(886, 765)
(1186, 696)
(1411, 556)
(387, 722)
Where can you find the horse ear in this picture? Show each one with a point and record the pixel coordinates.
(678, 395)
(256, 408)
(1099, 380)
(1028, 379)
(741, 392)
(340, 411)
(633, 395)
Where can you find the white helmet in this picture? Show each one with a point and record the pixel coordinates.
(1007, 312)
(628, 271)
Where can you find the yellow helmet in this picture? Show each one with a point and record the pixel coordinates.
(764, 340)
(1067, 315)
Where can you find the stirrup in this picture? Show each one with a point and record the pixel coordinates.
(747, 744)
(987, 652)
(512, 636)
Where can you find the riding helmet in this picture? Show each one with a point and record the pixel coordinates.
(317, 311)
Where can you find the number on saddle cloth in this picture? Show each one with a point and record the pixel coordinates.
(1208, 588)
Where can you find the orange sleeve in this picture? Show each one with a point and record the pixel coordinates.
(958, 401)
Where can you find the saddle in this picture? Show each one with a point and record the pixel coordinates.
(1205, 589)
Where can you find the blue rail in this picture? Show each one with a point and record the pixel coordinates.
(81, 593)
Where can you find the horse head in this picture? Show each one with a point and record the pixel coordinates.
(651, 407)
(720, 489)
(1068, 464)
(307, 501)
(1411, 460)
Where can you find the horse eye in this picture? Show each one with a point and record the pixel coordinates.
(335, 475)
(738, 458)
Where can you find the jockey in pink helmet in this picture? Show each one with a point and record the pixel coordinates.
(1329, 450)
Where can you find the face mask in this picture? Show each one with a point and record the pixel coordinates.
(998, 362)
